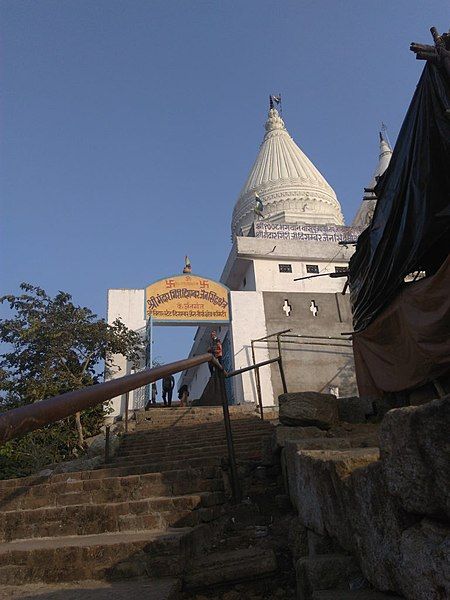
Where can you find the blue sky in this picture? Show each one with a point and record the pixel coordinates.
(128, 127)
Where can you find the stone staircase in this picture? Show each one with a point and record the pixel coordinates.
(144, 514)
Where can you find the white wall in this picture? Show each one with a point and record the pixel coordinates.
(128, 305)
(199, 381)
(269, 279)
(248, 322)
(248, 281)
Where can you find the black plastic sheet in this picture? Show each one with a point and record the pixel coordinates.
(410, 229)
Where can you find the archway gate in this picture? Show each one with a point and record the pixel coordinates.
(185, 299)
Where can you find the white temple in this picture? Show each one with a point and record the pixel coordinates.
(297, 236)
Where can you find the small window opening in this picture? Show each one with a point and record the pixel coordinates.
(312, 268)
(285, 268)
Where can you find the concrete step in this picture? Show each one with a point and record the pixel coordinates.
(87, 519)
(111, 556)
(229, 567)
(108, 489)
(150, 589)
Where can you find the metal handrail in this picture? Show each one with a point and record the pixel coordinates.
(22, 420)
(286, 333)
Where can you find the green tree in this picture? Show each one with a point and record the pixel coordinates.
(52, 347)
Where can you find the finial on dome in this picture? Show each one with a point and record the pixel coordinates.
(384, 135)
(274, 120)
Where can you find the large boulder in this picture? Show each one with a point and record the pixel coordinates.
(308, 408)
(317, 481)
(377, 522)
(415, 450)
(344, 494)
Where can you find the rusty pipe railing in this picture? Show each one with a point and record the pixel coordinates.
(22, 420)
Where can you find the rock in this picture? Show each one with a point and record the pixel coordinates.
(354, 409)
(283, 502)
(80, 464)
(322, 443)
(285, 434)
(377, 522)
(308, 408)
(321, 544)
(298, 539)
(331, 571)
(425, 551)
(316, 487)
(234, 565)
(96, 444)
(232, 595)
(416, 462)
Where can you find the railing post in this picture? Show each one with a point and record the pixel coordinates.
(107, 443)
(127, 404)
(235, 486)
(258, 384)
(280, 365)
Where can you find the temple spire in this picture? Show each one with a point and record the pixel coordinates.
(367, 207)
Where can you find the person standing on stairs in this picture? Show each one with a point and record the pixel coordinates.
(183, 395)
(215, 349)
(168, 383)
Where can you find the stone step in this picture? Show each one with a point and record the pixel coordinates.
(29, 484)
(229, 567)
(108, 489)
(163, 464)
(188, 420)
(150, 589)
(109, 470)
(169, 429)
(352, 595)
(176, 453)
(189, 441)
(179, 412)
(324, 572)
(87, 519)
(111, 556)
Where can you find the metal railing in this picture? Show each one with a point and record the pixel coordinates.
(299, 339)
(19, 421)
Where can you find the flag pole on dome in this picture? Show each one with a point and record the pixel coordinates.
(187, 265)
(275, 100)
(258, 207)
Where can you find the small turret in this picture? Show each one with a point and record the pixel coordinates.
(366, 210)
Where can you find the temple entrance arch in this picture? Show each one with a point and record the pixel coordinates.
(183, 300)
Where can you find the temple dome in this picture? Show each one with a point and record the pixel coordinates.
(292, 190)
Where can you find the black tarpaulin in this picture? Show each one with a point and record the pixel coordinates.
(410, 229)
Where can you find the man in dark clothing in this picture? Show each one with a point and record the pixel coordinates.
(215, 349)
(168, 383)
